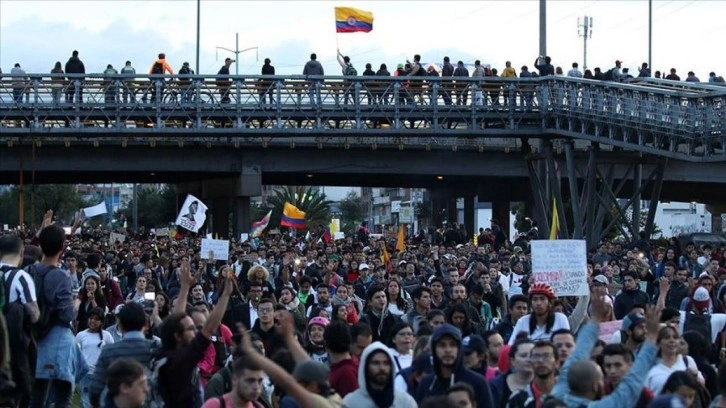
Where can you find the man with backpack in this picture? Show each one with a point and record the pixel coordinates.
(58, 354)
(20, 310)
(159, 67)
(348, 70)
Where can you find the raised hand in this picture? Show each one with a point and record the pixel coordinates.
(664, 285)
(652, 322)
(185, 274)
(47, 219)
(599, 308)
(285, 325)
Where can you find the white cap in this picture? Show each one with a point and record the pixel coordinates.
(363, 266)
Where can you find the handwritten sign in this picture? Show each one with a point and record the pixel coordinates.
(114, 237)
(220, 247)
(162, 232)
(562, 264)
(607, 329)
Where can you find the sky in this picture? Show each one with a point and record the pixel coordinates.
(38, 33)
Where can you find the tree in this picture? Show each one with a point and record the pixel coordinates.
(353, 210)
(157, 207)
(63, 199)
(306, 199)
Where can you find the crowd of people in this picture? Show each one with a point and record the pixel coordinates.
(290, 321)
(416, 68)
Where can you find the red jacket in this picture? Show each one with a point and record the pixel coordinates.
(112, 293)
(343, 376)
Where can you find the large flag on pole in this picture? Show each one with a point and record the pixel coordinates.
(387, 258)
(95, 210)
(353, 20)
(259, 226)
(292, 217)
(555, 229)
(192, 214)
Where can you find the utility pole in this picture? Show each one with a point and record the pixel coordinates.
(650, 35)
(586, 33)
(543, 27)
(199, 10)
(236, 51)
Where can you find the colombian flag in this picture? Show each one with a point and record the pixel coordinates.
(326, 235)
(292, 217)
(259, 226)
(353, 20)
(555, 229)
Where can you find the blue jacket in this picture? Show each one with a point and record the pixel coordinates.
(433, 385)
(625, 393)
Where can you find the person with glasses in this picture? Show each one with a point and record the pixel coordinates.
(545, 363)
(265, 324)
(519, 376)
(91, 341)
(401, 345)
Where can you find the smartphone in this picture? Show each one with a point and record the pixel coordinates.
(149, 296)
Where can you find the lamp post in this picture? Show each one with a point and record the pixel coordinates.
(650, 35)
(586, 26)
(543, 27)
(199, 10)
(236, 51)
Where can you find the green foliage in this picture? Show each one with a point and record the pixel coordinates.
(306, 199)
(157, 207)
(353, 211)
(63, 199)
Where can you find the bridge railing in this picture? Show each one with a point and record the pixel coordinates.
(666, 115)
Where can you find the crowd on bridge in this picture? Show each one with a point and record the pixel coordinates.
(123, 90)
(442, 319)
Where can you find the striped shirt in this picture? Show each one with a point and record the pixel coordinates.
(20, 284)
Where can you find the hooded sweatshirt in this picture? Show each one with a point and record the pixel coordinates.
(365, 397)
(435, 384)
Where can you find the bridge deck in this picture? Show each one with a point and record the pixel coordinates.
(671, 119)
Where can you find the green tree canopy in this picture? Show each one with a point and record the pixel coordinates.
(157, 207)
(353, 211)
(63, 199)
(314, 203)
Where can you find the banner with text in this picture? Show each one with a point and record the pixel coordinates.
(220, 247)
(561, 264)
(192, 215)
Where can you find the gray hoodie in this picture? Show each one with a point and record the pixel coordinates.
(361, 398)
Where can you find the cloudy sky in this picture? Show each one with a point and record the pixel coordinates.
(38, 33)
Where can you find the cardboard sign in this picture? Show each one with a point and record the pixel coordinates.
(220, 247)
(113, 237)
(562, 264)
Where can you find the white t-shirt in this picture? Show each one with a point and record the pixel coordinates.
(718, 321)
(658, 375)
(404, 360)
(91, 345)
(540, 332)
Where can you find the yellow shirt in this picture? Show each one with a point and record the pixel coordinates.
(509, 72)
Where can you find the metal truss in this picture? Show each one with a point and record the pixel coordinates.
(592, 193)
(664, 118)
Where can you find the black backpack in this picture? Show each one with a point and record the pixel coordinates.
(158, 68)
(421, 71)
(699, 323)
(608, 75)
(220, 349)
(45, 321)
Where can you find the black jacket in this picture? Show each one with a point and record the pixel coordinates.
(75, 66)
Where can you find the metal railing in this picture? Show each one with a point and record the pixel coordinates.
(673, 119)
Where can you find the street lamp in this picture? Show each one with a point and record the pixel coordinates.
(236, 51)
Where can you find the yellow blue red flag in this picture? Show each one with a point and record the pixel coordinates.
(555, 229)
(353, 20)
(292, 217)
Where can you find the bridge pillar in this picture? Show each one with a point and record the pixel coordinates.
(452, 212)
(242, 220)
(219, 208)
(501, 212)
(469, 211)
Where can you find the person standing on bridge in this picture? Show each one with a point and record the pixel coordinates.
(266, 85)
(75, 66)
(223, 82)
(128, 72)
(159, 67)
(314, 68)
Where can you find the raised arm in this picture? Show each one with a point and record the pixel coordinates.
(187, 281)
(285, 328)
(215, 318)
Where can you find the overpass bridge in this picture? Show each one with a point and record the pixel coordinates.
(587, 141)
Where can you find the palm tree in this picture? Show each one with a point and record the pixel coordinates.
(312, 202)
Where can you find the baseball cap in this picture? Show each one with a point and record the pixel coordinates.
(632, 320)
(311, 371)
(602, 279)
(228, 59)
(701, 298)
(363, 266)
(473, 343)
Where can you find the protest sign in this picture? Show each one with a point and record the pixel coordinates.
(192, 214)
(220, 247)
(562, 264)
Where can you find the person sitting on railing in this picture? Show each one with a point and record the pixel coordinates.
(223, 82)
(383, 96)
(673, 76)
(369, 72)
(644, 71)
(159, 67)
(526, 90)
(574, 72)
(692, 77)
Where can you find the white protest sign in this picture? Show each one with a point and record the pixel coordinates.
(562, 264)
(95, 210)
(162, 232)
(220, 247)
(244, 237)
(192, 214)
(116, 237)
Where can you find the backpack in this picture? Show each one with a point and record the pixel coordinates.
(700, 324)
(158, 68)
(153, 397)
(350, 70)
(608, 75)
(421, 71)
(220, 349)
(45, 321)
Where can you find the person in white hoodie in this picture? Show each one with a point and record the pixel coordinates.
(376, 372)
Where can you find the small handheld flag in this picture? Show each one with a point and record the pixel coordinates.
(353, 20)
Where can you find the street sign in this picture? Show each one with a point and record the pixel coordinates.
(395, 207)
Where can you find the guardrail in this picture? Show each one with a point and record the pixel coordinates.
(674, 119)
